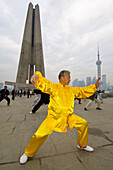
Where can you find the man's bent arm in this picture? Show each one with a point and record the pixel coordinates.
(97, 84)
(84, 92)
(42, 83)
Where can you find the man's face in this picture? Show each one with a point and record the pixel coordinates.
(5, 87)
(66, 79)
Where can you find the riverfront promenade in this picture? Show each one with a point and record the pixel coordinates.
(59, 152)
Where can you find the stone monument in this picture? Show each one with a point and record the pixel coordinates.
(31, 56)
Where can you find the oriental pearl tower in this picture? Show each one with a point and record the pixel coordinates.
(98, 63)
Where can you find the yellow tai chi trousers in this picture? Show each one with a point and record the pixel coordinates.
(43, 132)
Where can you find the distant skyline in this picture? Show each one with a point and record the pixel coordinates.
(71, 32)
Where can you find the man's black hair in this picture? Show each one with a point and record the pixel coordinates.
(62, 73)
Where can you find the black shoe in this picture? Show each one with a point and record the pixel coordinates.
(98, 108)
(85, 109)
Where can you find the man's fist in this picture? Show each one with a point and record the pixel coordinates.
(34, 79)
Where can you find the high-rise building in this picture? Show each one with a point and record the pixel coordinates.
(104, 84)
(88, 81)
(77, 83)
(94, 80)
(98, 63)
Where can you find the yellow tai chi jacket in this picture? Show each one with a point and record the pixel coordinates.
(61, 105)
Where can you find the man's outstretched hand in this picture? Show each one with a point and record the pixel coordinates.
(97, 84)
(34, 79)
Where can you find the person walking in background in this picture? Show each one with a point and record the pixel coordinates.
(13, 94)
(100, 93)
(4, 95)
(20, 92)
(28, 93)
(91, 100)
(16, 93)
(31, 93)
(44, 99)
(60, 112)
(37, 98)
(24, 92)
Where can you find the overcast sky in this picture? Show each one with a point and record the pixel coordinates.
(71, 32)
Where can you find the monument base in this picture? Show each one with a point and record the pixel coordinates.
(19, 86)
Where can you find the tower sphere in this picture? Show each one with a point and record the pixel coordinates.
(98, 62)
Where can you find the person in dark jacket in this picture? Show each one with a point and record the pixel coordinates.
(13, 94)
(45, 98)
(91, 99)
(4, 95)
(24, 92)
(28, 93)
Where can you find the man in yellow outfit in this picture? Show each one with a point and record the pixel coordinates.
(60, 112)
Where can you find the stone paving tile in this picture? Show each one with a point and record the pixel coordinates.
(110, 149)
(25, 126)
(5, 116)
(100, 161)
(96, 141)
(110, 136)
(67, 161)
(31, 165)
(16, 117)
(10, 148)
(106, 128)
(97, 120)
(7, 127)
(105, 136)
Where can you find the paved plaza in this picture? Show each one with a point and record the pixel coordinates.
(59, 152)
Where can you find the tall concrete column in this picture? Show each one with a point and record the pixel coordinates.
(38, 51)
(25, 55)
